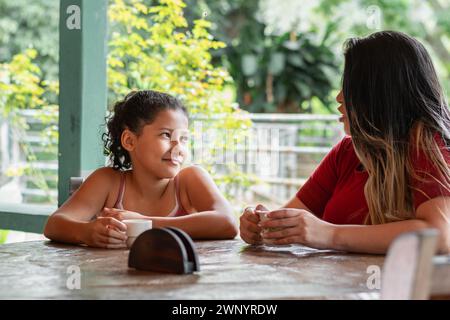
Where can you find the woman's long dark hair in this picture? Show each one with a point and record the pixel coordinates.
(395, 107)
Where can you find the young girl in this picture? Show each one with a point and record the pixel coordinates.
(146, 143)
(391, 174)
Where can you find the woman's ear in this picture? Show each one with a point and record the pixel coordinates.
(128, 140)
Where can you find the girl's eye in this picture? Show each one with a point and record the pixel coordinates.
(165, 134)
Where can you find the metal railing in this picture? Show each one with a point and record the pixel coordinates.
(301, 142)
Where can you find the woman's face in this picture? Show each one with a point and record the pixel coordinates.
(343, 111)
(161, 148)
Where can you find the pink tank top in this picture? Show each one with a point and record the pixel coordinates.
(177, 211)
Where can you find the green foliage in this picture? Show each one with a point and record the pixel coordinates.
(21, 87)
(236, 23)
(156, 48)
(153, 51)
(272, 73)
(428, 21)
(3, 236)
(287, 73)
(26, 24)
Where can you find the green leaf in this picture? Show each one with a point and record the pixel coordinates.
(249, 64)
(277, 63)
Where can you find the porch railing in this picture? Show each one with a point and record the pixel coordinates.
(301, 141)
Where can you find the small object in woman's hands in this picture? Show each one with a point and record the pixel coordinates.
(249, 210)
(263, 217)
(135, 227)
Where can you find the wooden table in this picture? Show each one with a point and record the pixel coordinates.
(229, 270)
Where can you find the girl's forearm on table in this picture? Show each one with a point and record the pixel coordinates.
(61, 228)
(201, 225)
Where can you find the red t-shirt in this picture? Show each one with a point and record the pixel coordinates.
(335, 191)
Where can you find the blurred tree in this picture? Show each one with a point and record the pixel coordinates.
(22, 88)
(248, 32)
(3, 236)
(272, 73)
(428, 21)
(26, 24)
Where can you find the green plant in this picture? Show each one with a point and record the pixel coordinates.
(3, 236)
(272, 73)
(285, 73)
(28, 24)
(236, 23)
(21, 88)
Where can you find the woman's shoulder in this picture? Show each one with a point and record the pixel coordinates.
(344, 149)
(442, 144)
(420, 153)
(346, 142)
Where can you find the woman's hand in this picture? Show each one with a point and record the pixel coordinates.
(105, 232)
(248, 227)
(300, 226)
(120, 214)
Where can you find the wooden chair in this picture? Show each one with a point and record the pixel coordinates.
(74, 184)
(412, 271)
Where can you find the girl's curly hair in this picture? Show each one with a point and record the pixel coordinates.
(137, 109)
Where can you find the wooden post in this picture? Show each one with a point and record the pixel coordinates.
(83, 90)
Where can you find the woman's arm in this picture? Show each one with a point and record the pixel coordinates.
(434, 213)
(214, 216)
(303, 227)
(296, 203)
(201, 225)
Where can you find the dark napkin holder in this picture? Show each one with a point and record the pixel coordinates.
(168, 250)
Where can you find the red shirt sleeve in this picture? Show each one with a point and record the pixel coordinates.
(319, 188)
(430, 184)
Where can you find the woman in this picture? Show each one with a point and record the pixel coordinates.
(391, 173)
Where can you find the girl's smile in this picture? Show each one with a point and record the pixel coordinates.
(160, 148)
(173, 162)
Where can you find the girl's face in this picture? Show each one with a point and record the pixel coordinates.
(161, 148)
(343, 110)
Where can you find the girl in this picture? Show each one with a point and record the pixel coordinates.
(391, 174)
(146, 143)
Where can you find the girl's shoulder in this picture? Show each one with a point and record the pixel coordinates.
(97, 185)
(105, 174)
(192, 172)
(193, 180)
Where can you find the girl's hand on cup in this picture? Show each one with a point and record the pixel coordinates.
(105, 232)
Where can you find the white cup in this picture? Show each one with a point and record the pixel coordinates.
(135, 227)
(263, 217)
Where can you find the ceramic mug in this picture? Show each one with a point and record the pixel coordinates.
(135, 227)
